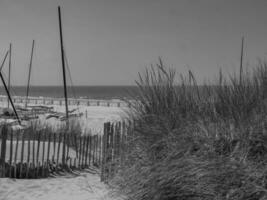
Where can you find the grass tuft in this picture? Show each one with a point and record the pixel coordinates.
(197, 142)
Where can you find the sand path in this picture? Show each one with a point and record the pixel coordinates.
(86, 186)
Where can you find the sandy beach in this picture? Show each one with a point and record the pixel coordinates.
(91, 120)
(84, 186)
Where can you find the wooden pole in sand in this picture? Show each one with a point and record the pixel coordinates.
(3, 62)
(9, 97)
(63, 66)
(29, 75)
(9, 70)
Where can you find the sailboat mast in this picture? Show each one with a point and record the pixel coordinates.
(9, 70)
(29, 75)
(9, 97)
(63, 65)
(3, 62)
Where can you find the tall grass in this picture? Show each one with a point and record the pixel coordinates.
(197, 142)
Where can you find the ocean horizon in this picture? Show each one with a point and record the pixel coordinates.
(86, 92)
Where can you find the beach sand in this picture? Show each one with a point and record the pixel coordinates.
(92, 119)
(86, 186)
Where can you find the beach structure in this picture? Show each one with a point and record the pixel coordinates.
(63, 116)
(9, 98)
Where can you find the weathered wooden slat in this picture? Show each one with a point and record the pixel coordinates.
(33, 148)
(22, 155)
(37, 155)
(90, 149)
(15, 170)
(48, 149)
(68, 146)
(99, 150)
(54, 149)
(76, 145)
(11, 153)
(96, 150)
(43, 153)
(111, 150)
(28, 155)
(38, 146)
(3, 152)
(86, 153)
(71, 166)
(58, 147)
(75, 163)
(27, 170)
(16, 153)
(83, 150)
(64, 150)
(80, 152)
(38, 170)
(104, 143)
(122, 149)
(93, 149)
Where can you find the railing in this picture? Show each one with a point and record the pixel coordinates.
(61, 101)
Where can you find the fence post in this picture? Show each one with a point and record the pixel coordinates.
(80, 152)
(43, 156)
(15, 158)
(58, 148)
(37, 155)
(48, 149)
(3, 152)
(90, 149)
(33, 149)
(68, 146)
(21, 155)
(11, 153)
(83, 151)
(104, 144)
(64, 150)
(28, 156)
(99, 150)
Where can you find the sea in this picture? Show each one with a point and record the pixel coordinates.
(84, 92)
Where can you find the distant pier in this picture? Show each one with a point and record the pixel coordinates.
(61, 101)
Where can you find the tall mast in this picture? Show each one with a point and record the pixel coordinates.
(3, 62)
(9, 97)
(29, 75)
(63, 65)
(9, 70)
(241, 62)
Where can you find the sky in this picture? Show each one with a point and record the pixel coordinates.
(107, 42)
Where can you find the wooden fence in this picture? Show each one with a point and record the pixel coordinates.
(61, 101)
(114, 148)
(30, 154)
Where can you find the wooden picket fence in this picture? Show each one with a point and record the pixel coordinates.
(114, 148)
(39, 154)
(29, 154)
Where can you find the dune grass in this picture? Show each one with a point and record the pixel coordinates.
(197, 142)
